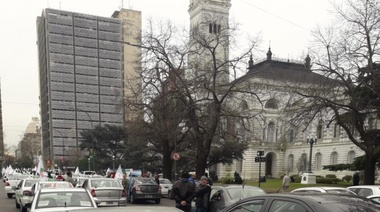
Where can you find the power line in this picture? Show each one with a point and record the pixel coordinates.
(274, 15)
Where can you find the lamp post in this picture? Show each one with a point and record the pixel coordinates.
(88, 160)
(113, 163)
(63, 148)
(92, 139)
(310, 141)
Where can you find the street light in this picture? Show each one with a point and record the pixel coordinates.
(310, 141)
(88, 159)
(113, 162)
(63, 148)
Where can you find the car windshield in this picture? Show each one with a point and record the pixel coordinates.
(30, 183)
(146, 180)
(63, 199)
(238, 192)
(165, 181)
(52, 184)
(105, 183)
(346, 203)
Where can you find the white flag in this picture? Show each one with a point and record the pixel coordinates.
(119, 173)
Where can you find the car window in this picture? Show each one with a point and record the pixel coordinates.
(29, 183)
(63, 199)
(286, 206)
(216, 195)
(365, 192)
(376, 199)
(251, 206)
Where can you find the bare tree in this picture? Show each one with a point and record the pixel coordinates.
(187, 78)
(347, 54)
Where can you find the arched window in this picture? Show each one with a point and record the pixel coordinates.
(271, 132)
(350, 157)
(271, 103)
(291, 135)
(318, 161)
(319, 130)
(290, 163)
(334, 158)
(336, 130)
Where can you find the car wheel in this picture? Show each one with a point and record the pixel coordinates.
(10, 196)
(17, 205)
(157, 201)
(23, 209)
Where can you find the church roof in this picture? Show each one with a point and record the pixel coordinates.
(284, 71)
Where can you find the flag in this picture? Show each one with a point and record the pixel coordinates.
(119, 173)
(77, 171)
(40, 167)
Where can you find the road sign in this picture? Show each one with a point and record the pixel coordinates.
(260, 159)
(260, 153)
(176, 156)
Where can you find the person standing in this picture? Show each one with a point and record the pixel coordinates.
(183, 193)
(70, 178)
(202, 195)
(192, 178)
(356, 179)
(285, 183)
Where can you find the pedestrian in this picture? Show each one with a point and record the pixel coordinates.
(208, 179)
(356, 179)
(70, 178)
(183, 193)
(202, 195)
(60, 177)
(285, 183)
(157, 179)
(238, 179)
(192, 178)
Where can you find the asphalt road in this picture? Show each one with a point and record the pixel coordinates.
(8, 205)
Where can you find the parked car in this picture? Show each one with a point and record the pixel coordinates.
(23, 193)
(365, 190)
(332, 190)
(143, 188)
(61, 199)
(106, 191)
(304, 203)
(223, 196)
(136, 208)
(375, 198)
(166, 187)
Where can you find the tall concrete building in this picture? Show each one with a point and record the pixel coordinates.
(81, 73)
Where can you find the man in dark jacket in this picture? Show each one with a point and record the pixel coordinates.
(202, 195)
(183, 193)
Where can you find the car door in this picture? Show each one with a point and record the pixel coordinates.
(18, 191)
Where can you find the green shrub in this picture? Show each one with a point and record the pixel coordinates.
(332, 176)
(323, 180)
(228, 180)
(347, 178)
(297, 179)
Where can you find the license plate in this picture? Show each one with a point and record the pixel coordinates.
(148, 196)
(109, 203)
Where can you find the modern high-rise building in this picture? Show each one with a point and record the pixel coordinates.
(81, 73)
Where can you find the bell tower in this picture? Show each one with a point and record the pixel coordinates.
(209, 23)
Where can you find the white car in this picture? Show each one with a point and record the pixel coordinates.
(23, 193)
(61, 199)
(51, 185)
(365, 190)
(330, 190)
(166, 187)
(12, 182)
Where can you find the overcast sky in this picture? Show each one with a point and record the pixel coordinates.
(284, 24)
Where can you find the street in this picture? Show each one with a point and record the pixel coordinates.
(8, 205)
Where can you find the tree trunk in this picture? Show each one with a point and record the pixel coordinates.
(369, 170)
(201, 164)
(167, 166)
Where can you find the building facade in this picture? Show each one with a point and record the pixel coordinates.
(269, 129)
(81, 74)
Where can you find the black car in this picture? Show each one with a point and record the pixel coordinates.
(143, 188)
(304, 203)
